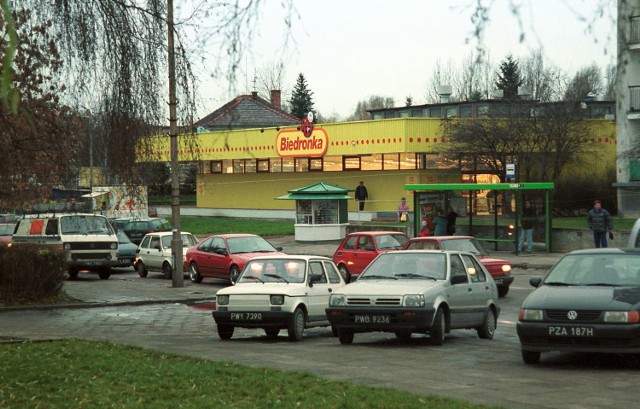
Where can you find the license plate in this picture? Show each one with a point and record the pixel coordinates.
(372, 319)
(562, 331)
(246, 316)
(93, 263)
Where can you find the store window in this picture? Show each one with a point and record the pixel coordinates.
(262, 165)
(227, 166)
(371, 162)
(215, 166)
(287, 165)
(391, 161)
(408, 161)
(238, 166)
(315, 165)
(302, 164)
(332, 163)
(275, 165)
(250, 166)
(351, 162)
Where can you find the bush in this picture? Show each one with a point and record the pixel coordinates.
(30, 273)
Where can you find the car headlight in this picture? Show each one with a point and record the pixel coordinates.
(114, 246)
(530, 315)
(67, 246)
(621, 316)
(276, 299)
(413, 300)
(337, 300)
(506, 268)
(222, 300)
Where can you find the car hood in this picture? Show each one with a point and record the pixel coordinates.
(244, 257)
(580, 297)
(389, 287)
(297, 289)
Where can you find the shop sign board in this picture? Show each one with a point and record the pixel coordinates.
(292, 143)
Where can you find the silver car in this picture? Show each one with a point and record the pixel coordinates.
(406, 292)
(154, 252)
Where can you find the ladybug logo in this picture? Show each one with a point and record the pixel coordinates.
(307, 125)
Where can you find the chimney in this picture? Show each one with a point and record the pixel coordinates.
(275, 98)
(254, 94)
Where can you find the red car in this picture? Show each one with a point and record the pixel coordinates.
(359, 249)
(224, 256)
(499, 269)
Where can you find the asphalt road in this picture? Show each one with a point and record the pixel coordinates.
(466, 367)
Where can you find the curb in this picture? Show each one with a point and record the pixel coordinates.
(103, 304)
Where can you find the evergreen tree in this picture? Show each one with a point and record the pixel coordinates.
(301, 101)
(509, 78)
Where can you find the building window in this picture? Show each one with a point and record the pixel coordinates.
(262, 165)
(391, 161)
(371, 162)
(332, 163)
(408, 161)
(227, 166)
(435, 112)
(238, 166)
(315, 164)
(451, 112)
(250, 166)
(287, 165)
(482, 111)
(465, 111)
(215, 166)
(302, 164)
(351, 162)
(317, 211)
(276, 165)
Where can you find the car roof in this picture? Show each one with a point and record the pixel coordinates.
(233, 235)
(281, 256)
(376, 233)
(165, 233)
(608, 250)
(427, 238)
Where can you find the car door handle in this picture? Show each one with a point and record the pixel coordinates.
(469, 289)
(330, 290)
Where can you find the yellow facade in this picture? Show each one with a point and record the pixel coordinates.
(257, 190)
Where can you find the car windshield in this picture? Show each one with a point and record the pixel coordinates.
(404, 265)
(84, 224)
(390, 241)
(251, 244)
(274, 271)
(159, 224)
(187, 240)
(463, 244)
(6, 229)
(618, 269)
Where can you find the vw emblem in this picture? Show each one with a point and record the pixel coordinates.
(572, 315)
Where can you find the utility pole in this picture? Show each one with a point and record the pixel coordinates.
(176, 242)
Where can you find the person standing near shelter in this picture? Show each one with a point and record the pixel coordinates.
(452, 216)
(599, 221)
(361, 195)
(403, 210)
(441, 224)
(528, 219)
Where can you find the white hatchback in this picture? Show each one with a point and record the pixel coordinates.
(278, 292)
(154, 252)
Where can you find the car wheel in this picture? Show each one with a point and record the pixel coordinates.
(234, 273)
(344, 272)
(345, 336)
(436, 335)
(530, 357)
(334, 331)
(141, 269)
(272, 333)
(503, 290)
(403, 335)
(104, 274)
(488, 327)
(73, 273)
(167, 271)
(296, 325)
(225, 331)
(194, 273)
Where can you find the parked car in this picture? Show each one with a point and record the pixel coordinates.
(126, 250)
(278, 292)
(6, 230)
(357, 250)
(154, 252)
(135, 228)
(499, 269)
(588, 302)
(417, 291)
(9, 218)
(634, 236)
(225, 255)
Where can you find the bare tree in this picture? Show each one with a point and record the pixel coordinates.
(443, 74)
(587, 82)
(542, 79)
(374, 102)
(272, 77)
(609, 93)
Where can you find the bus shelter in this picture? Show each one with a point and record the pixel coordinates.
(492, 210)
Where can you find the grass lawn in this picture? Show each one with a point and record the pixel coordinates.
(82, 374)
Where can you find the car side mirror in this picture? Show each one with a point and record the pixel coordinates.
(279, 248)
(535, 281)
(459, 279)
(222, 252)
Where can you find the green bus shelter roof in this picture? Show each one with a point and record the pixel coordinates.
(479, 186)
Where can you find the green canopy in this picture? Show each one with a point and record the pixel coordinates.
(318, 191)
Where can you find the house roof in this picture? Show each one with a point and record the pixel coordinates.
(246, 111)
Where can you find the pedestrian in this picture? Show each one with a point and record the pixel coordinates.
(452, 216)
(424, 228)
(441, 224)
(528, 218)
(599, 221)
(361, 195)
(403, 210)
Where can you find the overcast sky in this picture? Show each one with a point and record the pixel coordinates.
(351, 49)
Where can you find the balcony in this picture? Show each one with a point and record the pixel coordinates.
(634, 33)
(634, 102)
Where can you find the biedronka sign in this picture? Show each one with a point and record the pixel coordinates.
(306, 142)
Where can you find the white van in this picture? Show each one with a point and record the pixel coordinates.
(89, 239)
(634, 237)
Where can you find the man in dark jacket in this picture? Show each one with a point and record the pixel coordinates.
(361, 195)
(599, 221)
(528, 219)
